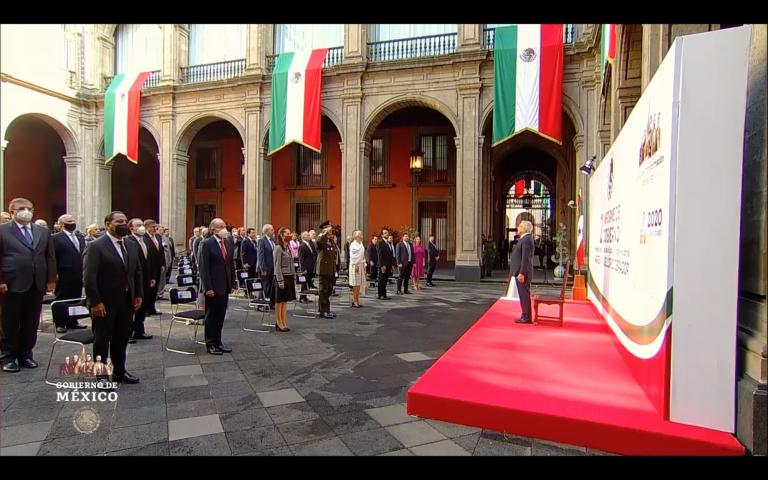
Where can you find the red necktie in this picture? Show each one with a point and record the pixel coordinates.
(223, 249)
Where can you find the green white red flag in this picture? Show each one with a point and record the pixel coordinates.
(122, 109)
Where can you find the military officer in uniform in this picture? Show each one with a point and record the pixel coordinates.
(326, 267)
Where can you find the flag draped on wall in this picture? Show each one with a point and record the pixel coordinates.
(607, 47)
(580, 248)
(528, 81)
(296, 85)
(122, 107)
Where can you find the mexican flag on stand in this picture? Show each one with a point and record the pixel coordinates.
(296, 85)
(528, 81)
(580, 247)
(122, 108)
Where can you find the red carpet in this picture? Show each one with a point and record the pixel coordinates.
(569, 385)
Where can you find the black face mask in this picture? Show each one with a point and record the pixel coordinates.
(122, 230)
(70, 226)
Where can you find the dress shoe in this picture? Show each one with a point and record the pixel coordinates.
(522, 320)
(131, 340)
(142, 336)
(28, 363)
(76, 326)
(61, 329)
(11, 366)
(126, 378)
(214, 350)
(328, 315)
(286, 329)
(407, 293)
(224, 349)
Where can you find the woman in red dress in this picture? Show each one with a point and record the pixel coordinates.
(419, 255)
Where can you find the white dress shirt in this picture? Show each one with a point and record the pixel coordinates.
(117, 247)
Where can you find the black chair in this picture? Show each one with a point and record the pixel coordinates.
(47, 300)
(241, 276)
(256, 302)
(301, 282)
(68, 311)
(181, 296)
(184, 280)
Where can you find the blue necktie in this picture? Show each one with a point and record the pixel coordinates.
(27, 235)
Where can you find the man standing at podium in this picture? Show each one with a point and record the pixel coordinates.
(521, 268)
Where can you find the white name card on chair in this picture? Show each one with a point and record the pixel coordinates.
(187, 295)
(302, 279)
(186, 281)
(243, 274)
(186, 271)
(79, 310)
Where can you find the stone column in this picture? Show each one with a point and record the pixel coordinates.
(173, 179)
(75, 187)
(256, 40)
(264, 213)
(655, 46)
(103, 188)
(468, 172)
(3, 144)
(254, 193)
(169, 73)
(355, 42)
(470, 36)
(354, 191)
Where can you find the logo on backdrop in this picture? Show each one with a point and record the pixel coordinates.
(528, 55)
(296, 77)
(610, 179)
(651, 139)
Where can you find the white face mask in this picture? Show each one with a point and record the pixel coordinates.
(24, 216)
(141, 231)
(223, 233)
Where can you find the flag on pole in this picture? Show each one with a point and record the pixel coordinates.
(580, 248)
(607, 48)
(122, 108)
(528, 81)
(536, 188)
(296, 85)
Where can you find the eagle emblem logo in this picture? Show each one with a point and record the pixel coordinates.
(528, 55)
(296, 77)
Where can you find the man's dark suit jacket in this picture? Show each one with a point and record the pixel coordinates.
(22, 267)
(69, 261)
(106, 277)
(306, 258)
(521, 260)
(145, 266)
(373, 254)
(402, 253)
(217, 273)
(249, 252)
(386, 257)
(266, 262)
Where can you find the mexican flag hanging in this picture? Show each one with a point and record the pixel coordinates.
(607, 47)
(122, 107)
(296, 85)
(580, 247)
(528, 81)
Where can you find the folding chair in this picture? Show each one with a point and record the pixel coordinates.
(256, 301)
(241, 276)
(186, 280)
(69, 310)
(180, 296)
(47, 300)
(301, 281)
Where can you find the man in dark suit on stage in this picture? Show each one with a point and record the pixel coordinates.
(386, 253)
(521, 268)
(69, 246)
(266, 265)
(433, 255)
(114, 289)
(140, 239)
(249, 252)
(27, 271)
(217, 274)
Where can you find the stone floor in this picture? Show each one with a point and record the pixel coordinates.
(327, 387)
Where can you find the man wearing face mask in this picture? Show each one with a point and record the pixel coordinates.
(217, 276)
(114, 288)
(265, 265)
(156, 264)
(69, 246)
(27, 270)
(139, 238)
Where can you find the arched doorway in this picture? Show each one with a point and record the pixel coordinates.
(34, 166)
(215, 180)
(544, 174)
(306, 185)
(136, 187)
(402, 200)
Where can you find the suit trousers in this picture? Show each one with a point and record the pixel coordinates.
(112, 331)
(404, 277)
(19, 318)
(326, 287)
(431, 271)
(215, 311)
(66, 289)
(150, 297)
(383, 280)
(137, 327)
(269, 288)
(524, 290)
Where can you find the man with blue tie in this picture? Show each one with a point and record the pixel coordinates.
(27, 270)
(265, 264)
(249, 253)
(217, 276)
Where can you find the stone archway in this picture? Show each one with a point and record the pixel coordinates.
(143, 177)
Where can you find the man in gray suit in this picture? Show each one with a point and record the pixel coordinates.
(27, 271)
(521, 268)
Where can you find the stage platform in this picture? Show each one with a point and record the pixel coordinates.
(565, 384)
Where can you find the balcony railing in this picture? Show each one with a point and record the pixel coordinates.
(152, 80)
(428, 46)
(211, 72)
(569, 35)
(334, 57)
